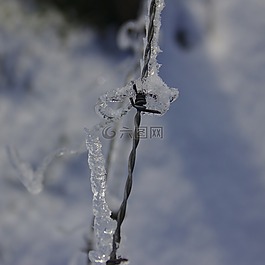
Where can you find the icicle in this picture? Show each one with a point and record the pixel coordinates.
(104, 226)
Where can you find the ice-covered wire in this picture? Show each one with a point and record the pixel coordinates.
(149, 37)
(151, 48)
(150, 53)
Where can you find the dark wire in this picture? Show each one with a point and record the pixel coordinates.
(150, 36)
(139, 105)
(128, 187)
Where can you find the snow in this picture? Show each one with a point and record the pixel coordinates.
(198, 193)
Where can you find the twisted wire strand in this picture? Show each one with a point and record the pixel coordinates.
(149, 37)
(132, 157)
(128, 187)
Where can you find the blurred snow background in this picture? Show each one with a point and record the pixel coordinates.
(199, 193)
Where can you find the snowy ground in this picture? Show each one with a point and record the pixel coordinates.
(199, 193)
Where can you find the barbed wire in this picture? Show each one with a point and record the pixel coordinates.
(139, 105)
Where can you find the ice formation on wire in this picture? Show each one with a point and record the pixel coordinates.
(159, 95)
(151, 39)
(104, 226)
(117, 95)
